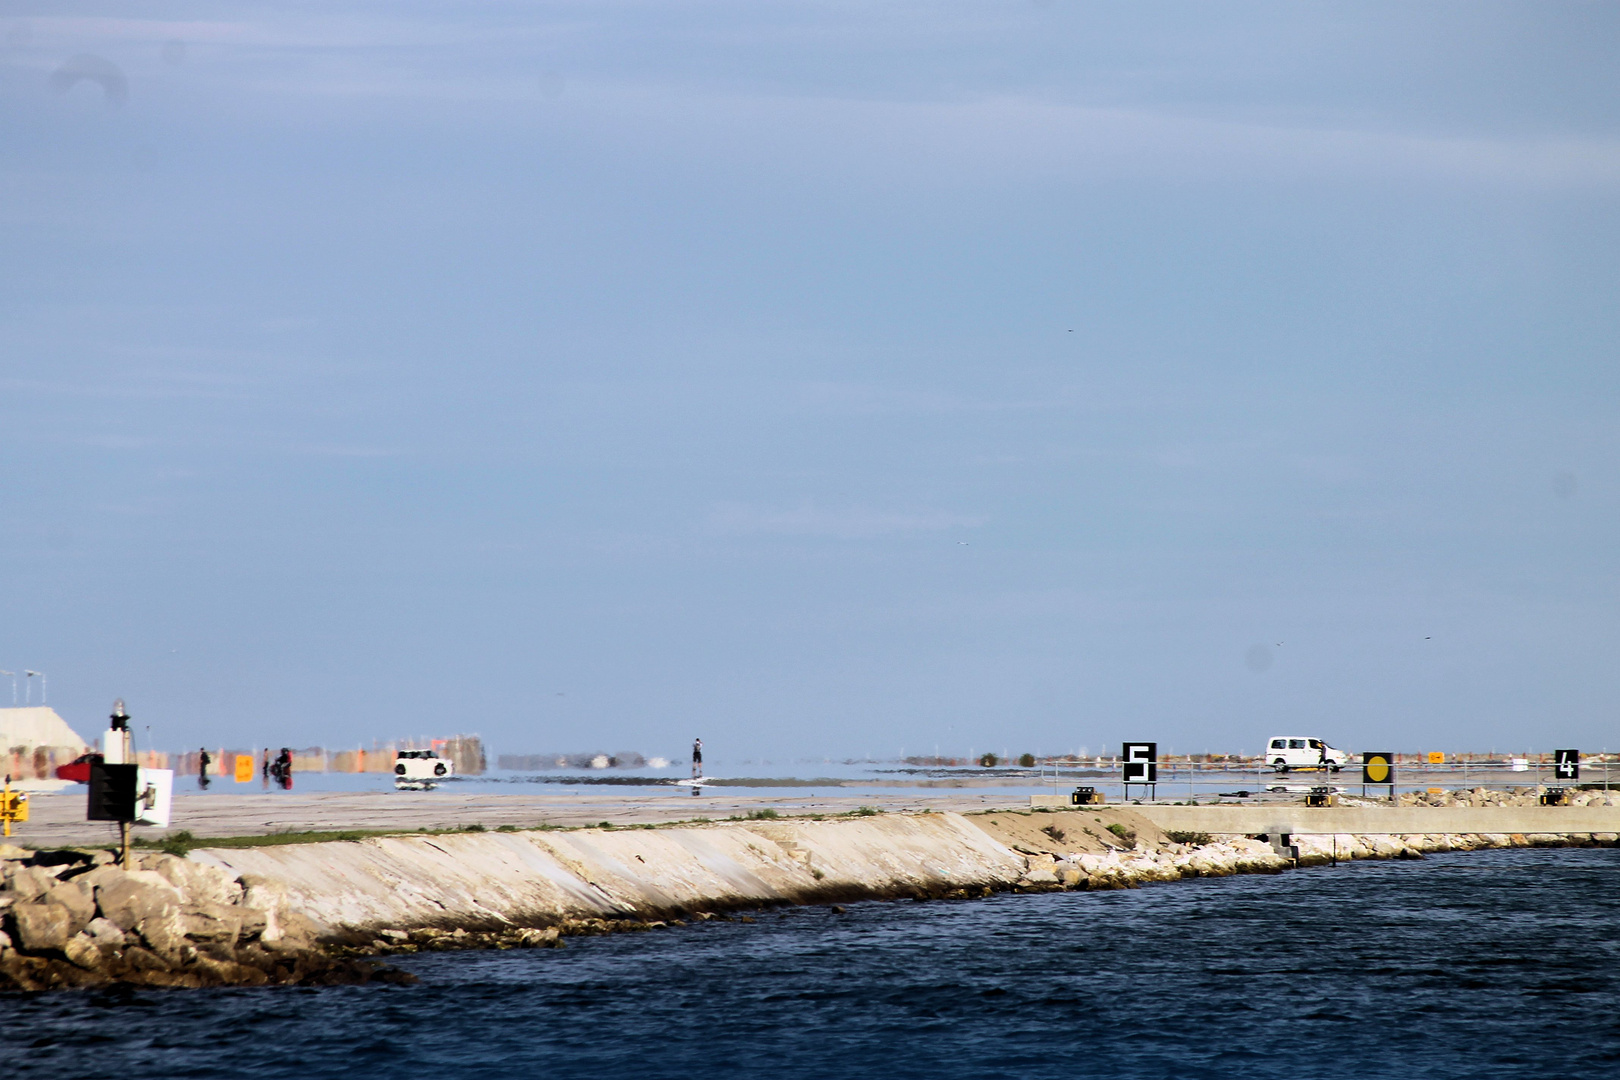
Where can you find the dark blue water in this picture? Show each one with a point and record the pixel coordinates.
(1499, 964)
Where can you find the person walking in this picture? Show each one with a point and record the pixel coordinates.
(697, 759)
(203, 761)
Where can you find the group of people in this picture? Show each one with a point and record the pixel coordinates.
(280, 770)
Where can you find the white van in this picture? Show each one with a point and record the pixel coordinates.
(1286, 752)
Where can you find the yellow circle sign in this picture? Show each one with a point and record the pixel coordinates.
(1376, 769)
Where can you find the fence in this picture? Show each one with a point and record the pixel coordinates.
(1199, 775)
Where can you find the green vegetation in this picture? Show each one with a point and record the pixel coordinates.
(1124, 832)
(989, 760)
(179, 843)
(506, 828)
(863, 811)
(756, 815)
(1054, 832)
(474, 827)
(1196, 839)
(1026, 760)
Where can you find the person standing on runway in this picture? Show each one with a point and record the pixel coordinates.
(697, 759)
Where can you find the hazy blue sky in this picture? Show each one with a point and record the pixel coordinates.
(817, 378)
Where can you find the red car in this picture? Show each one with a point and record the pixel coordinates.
(78, 769)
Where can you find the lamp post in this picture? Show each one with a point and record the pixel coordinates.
(120, 723)
(13, 675)
(28, 686)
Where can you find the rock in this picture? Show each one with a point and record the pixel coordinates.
(82, 951)
(134, 898)
(539, 939)
(5, 942)
(105, 932)
(1040, 877)
(42, 926)
(12, 851)
(164, 932)
(211, 922)
(77, 899)
(298, 933)
(195, 880)
(30, 882)
(99, 875)
(264, 906)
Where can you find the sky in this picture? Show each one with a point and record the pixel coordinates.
(824, 380)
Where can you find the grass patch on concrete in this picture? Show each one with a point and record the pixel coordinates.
(182, 842)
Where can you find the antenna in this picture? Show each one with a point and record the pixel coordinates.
(28, 687)
(13, 675)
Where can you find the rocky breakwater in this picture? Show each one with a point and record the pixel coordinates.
(1130, 869)
(1121, 848)
(75, 919)
(1519, 796)
(1322, 848)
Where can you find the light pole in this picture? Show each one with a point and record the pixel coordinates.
(28, 686)
(13, 675)
(120, 723)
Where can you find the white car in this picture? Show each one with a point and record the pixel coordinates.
(1286, 752)
(419, 770)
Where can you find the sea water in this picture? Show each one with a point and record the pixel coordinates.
(1498, 964)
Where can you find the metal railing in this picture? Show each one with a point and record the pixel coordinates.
(1191, 779)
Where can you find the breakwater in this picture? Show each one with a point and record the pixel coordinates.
(74, 919)
(315, 912)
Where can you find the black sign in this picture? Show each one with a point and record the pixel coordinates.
(1378, 768)
(112, 792)
(1141, 760)
(1567, 764)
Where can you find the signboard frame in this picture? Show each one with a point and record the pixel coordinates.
(1139, 764)
(1377, 770)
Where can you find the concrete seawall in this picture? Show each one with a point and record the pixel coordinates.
(493, 880)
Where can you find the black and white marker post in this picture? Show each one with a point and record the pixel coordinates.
(1140, 765)
(113, 781)
(1567, 766)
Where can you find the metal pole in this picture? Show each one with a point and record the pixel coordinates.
(123, 826)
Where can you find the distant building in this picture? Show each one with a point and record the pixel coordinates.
(33, 741)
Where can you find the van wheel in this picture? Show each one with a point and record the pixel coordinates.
(1280, 765)
(1334, 768)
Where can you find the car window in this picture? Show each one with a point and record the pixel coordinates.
(1316, 744)
(1279, 744)
(1296, 744)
